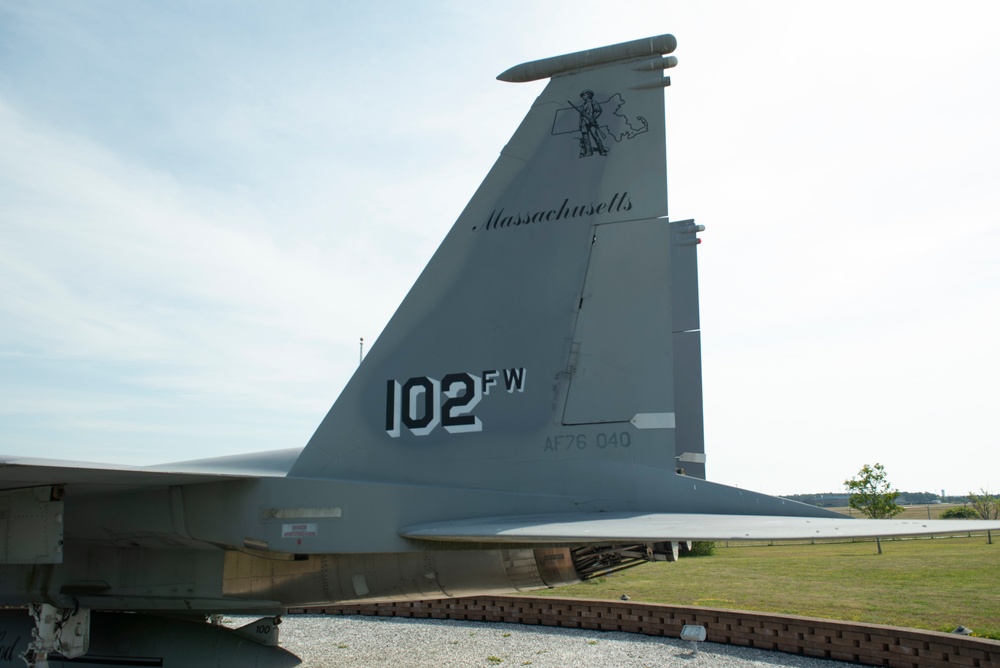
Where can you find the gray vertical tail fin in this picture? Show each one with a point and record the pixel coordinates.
(535, 351)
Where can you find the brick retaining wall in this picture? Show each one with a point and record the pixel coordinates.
(867, 644)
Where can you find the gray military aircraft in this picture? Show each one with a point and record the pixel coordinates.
(530, 417)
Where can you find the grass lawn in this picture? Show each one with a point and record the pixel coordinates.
(921, 512)
(933, 584)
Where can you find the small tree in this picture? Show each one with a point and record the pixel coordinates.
(872, 495)
(986, 505)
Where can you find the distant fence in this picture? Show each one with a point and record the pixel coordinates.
(867, 644)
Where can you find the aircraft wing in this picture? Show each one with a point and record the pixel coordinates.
(656, 527)
(21, 472)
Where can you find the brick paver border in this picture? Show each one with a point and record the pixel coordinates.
(867, 644)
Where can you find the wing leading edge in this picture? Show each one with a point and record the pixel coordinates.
(644, 527)
(24, 472)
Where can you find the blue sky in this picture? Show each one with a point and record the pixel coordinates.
(203, 206)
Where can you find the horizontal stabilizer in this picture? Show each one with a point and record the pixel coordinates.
(656, 527)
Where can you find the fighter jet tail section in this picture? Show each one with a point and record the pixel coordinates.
(539, 335)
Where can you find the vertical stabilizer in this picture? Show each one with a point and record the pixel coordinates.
(535, 350)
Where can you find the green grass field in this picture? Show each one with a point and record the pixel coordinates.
(933, 584)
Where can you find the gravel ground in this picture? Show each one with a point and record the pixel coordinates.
(335, 641)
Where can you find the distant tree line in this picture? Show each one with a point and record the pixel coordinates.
(840, 499)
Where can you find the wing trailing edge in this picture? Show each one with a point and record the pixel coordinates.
(644, 527)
